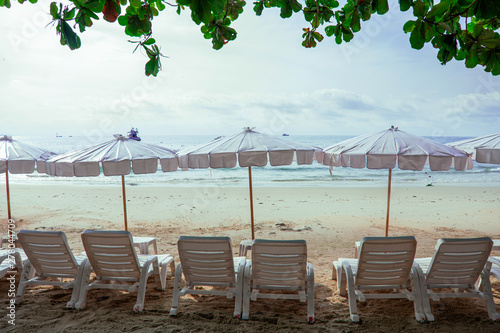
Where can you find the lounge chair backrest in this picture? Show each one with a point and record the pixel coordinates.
(111, 254)
(385, 261)
(458, 261)
(48, 252)
(279, 263)
(206, 260)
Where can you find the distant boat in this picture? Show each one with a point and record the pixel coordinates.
(134, 134)
(58, 136)
(217, 138)
(284, 134)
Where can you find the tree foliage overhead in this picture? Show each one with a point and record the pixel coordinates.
(458, 29)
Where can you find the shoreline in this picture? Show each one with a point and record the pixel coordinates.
(464, 206)
(243, 183)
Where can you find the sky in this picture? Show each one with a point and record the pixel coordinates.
(264, 79)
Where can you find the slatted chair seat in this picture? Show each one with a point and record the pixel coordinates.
(384, 263)
(462, 265)
(113, 259)
(279, 265)
(49, 262)
(208, 262)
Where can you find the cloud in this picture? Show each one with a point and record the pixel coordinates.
(264, 78)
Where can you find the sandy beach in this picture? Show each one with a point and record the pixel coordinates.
(330, 219)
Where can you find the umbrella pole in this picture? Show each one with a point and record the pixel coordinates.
(7, 187)
(388, 204)
(251, 200)
(124, 202)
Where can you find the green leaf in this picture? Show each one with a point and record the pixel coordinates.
(258, 7)
(485, 9)
(404, 5)
(409, 26)
(122, 20)
(317, 36)
(355, 22)
(437, 11)
(491, 60)
(150, 41)
(329, 30)
(153, 67)
(365, 11)
(160, 5)
(383, 7)
(54, 11)
(348, 36)
(286, 11)
(71, 38)
(338, 39)
(472, 57)
(5, 3)
(419, 8)
(135, 3)
(417, 36)
(329, 3)
(228, 33)
(234, 9)
(200, 11)
(70, 14)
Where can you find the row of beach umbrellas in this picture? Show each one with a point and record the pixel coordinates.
(387, 149)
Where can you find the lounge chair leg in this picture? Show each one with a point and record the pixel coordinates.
(84, 287)
(417, 294)
(240, 284)
(426, 305)
(177, 290)
(310, 293)
(163, 271)
(488, 295)
(160, 283)
(172, 268)
(341, 279)
(353, 308)
(245, 315)
(141, 291)
(25, 277)
(77, 286)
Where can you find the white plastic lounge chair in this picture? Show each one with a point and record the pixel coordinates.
(495, 267)
(383, 263)
(112, 257)
(11, 260)
(457, 264)
(50, 257)
(208, 261)
(279, 265)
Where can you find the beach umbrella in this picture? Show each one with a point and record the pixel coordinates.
(116, 157)
(247, 149)
(485, 149)
(18, 158)
(383, 150)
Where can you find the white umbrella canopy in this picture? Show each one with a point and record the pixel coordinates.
(388, 148)
(247, 149)
(19, 158)
(485, 149)
(117, 157)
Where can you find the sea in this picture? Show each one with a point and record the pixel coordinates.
(294, 175)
